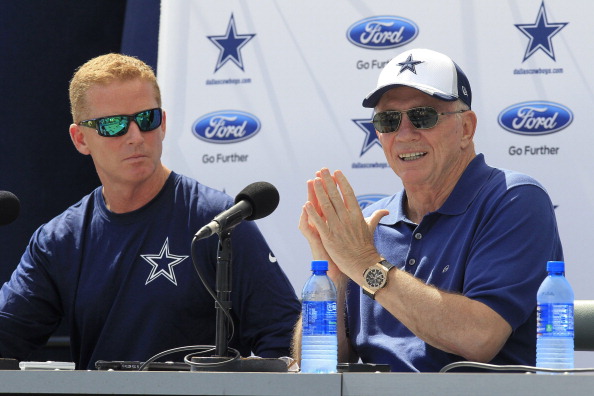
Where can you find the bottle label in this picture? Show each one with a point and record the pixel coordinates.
(554, 320)
(319, 317)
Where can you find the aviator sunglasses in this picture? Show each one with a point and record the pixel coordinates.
(421, 118)
(117, 125)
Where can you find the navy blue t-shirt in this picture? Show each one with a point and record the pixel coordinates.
(126, 285)
(490, 241)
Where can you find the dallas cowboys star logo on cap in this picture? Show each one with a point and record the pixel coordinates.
(409, 64)
(163, 264)
(540, 33)
(230, 45)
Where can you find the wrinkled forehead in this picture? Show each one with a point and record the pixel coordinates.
(117, 97)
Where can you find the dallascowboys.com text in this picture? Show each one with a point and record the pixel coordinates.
(362, 165)
(538, 71)
(234, 81)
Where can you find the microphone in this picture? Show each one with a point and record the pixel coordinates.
(257, 200)
(10, 207)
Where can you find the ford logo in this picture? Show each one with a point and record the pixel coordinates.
(229, 126)
(368, 199)
(382, 32)
(535, 118)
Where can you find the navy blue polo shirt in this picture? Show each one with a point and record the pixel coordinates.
(490, 241)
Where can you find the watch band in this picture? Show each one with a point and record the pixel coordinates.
(375, 277)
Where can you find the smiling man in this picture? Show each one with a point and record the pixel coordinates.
(447, 269)
(119, 266)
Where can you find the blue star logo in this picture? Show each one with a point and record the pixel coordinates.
(163, 264)
(370, 136)
(540, 33)
(230, 45)
(409, 64)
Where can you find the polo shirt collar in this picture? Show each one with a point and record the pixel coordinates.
(471, 182)
(474, 177)
(395, 205)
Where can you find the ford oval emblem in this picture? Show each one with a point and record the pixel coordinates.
(382, 32)
(229, 126)
(535, 118)
(368, 199)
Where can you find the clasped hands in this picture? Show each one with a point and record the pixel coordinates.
(333, 224)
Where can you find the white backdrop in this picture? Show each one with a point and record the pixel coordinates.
(272, 90)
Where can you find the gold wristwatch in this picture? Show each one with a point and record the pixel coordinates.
(375, 277)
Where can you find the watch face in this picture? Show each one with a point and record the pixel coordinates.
(375, 277)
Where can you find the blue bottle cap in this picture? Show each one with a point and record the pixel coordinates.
(319, 265)
(556, 266)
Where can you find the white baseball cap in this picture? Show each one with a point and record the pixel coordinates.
(428, 71)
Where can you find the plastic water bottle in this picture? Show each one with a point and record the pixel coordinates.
(554, 328)
(319, 346)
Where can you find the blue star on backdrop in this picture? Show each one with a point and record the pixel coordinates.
(230, 45)
(370, 136)
(540, 33)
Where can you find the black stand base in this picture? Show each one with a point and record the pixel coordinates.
(9, 364)
(256, 365)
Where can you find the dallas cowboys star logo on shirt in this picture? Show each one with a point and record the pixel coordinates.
(163, 264)
(540, 33)
(230, 45)
(409, 64)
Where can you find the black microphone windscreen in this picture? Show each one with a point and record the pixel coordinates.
(263, 197)
(10, 207)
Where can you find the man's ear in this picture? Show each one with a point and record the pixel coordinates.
(78, 139)
(468, 127)
(163, 124)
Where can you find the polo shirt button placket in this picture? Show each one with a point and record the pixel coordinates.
(418, 236)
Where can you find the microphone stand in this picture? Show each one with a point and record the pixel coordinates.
(221, 360)
(223, 282)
